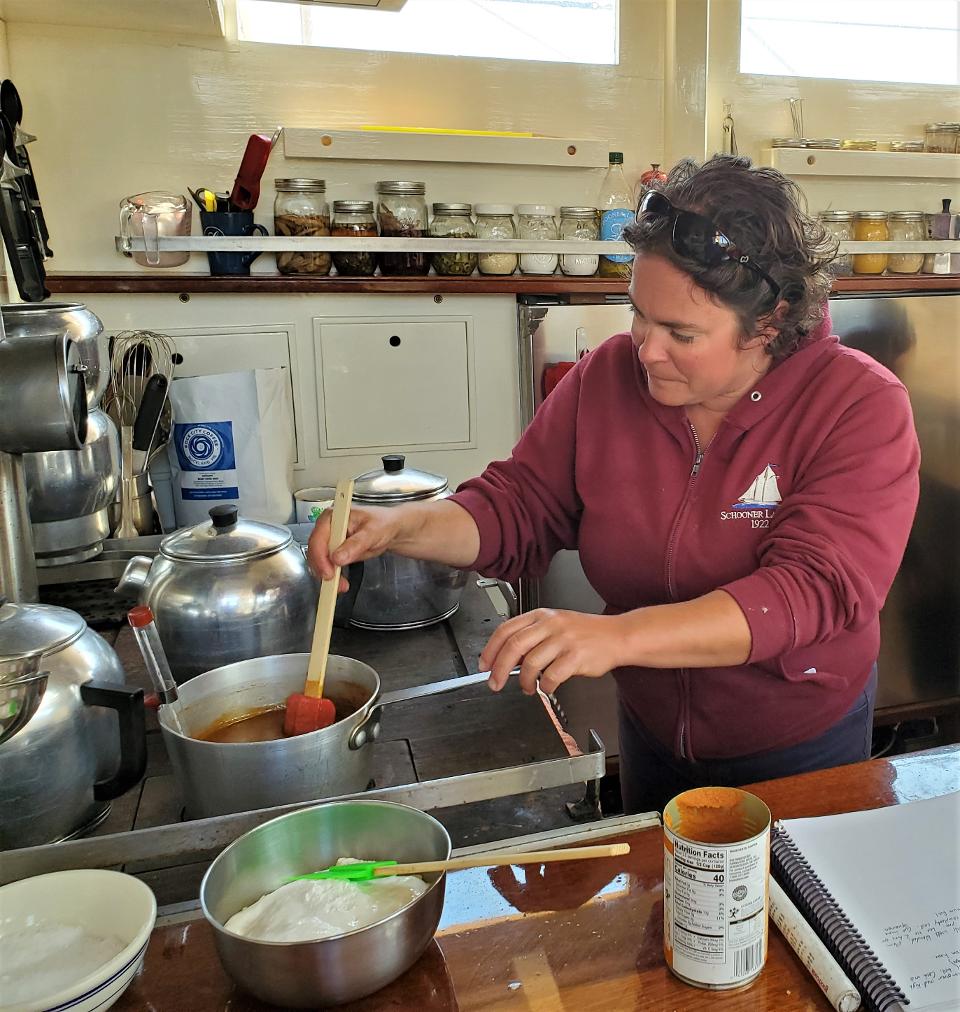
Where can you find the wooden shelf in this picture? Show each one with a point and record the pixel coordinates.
(441, 146)
(177, 283)
(902, 164)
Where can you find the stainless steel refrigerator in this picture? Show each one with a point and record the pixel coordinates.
(918, 338)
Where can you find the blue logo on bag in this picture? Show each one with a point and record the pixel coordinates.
(205, 446)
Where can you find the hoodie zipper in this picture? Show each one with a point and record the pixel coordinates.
(671, 590)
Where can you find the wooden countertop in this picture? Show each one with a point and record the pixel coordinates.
(145, 281)
(583, 936)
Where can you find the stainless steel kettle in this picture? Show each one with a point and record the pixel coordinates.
(396, 592)
(226, 591)
(61, 764)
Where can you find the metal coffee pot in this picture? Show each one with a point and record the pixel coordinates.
(62, 763)
(396, 592)
(226, 591)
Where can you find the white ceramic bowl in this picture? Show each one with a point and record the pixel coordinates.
(105, 903)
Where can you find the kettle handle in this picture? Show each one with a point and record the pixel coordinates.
(128, 702)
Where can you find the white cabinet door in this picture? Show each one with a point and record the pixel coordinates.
(404, 383)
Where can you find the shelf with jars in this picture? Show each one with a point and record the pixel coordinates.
(897, 164)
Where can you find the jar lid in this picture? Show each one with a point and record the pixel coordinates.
(27, 630)
(353, 206)
(401, 186)
(395, 482)
(849, 144)
(942, 126)
(837, 215)
(872, 215)
(500, 210)
(907, 215)
(536, 210)
(227, 538)
(906, 145)
(828, 143)
(788, 142)
(452, 208)
(301, 185)
(578, 212)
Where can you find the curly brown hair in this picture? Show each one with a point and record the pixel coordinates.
(764, 214)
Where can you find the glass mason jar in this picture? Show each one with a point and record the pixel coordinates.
(301, 208)
(871, 226)
(495, 221)
(537, 222)
(941, 137)
(402, 212)
(453, 221)
(905, 226)
(840, 225)
(579, 224)
(354, 219)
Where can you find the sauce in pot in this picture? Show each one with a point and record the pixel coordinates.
(266, 722)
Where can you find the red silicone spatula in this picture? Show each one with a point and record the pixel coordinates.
(308, 710)
(246, 187)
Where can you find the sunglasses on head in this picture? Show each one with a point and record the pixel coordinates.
(697, 238)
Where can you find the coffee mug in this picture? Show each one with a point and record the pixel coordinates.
(231, 223)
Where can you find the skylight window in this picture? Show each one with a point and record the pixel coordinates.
(557, 31)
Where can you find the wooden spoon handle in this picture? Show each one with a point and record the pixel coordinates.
(506, 857)
(319, 651)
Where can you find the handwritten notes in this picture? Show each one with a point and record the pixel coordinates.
(896, 874)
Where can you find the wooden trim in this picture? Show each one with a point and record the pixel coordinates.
(901, 164)
(129, 282)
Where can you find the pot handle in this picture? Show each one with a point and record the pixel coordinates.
(369, 729)
(134, 577)
(128, 702)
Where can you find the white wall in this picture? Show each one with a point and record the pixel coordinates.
(118, 112)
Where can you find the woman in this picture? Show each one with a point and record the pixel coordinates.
(740, 488)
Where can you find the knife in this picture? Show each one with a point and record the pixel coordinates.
(148, 417)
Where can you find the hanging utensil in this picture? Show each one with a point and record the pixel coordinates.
(796, 115)
(309, 710)
(364, 871)
(148, 417)
(12, 108)
(729, 130)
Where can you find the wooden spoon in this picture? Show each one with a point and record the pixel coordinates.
(308, 710)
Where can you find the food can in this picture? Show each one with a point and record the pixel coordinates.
(311, 502)
(716, 866)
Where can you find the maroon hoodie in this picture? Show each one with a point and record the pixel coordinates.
(800, 510)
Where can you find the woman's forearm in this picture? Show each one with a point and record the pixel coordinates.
(438, 531)
(709, 631)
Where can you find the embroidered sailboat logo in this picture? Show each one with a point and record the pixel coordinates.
(763, 492)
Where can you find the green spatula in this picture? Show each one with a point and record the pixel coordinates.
(363, 871)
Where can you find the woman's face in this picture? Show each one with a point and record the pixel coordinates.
(689, 344)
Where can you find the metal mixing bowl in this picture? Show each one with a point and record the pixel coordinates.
(335, 970)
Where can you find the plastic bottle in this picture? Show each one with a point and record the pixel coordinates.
(615, 204)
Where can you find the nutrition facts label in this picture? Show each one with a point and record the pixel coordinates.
(715, 909)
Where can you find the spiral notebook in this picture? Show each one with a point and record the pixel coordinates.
(882, 889)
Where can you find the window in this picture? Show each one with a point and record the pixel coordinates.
(559, 31)
(863, 40)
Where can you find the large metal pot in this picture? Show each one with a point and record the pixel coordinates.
(226, 591)
(218, 778)
(396, 592)
(29, 320)
(70, 492)
(61, 767)
(328, 971)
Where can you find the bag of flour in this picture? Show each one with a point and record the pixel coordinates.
(233, 443)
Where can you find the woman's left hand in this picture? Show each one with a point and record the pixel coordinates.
(552, 646)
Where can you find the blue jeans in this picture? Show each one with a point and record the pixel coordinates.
(650, 775)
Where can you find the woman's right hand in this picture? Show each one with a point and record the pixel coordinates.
(371, 530)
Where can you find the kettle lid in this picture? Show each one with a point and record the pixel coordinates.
(29, 629)
(395, 482)
(226, 538)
